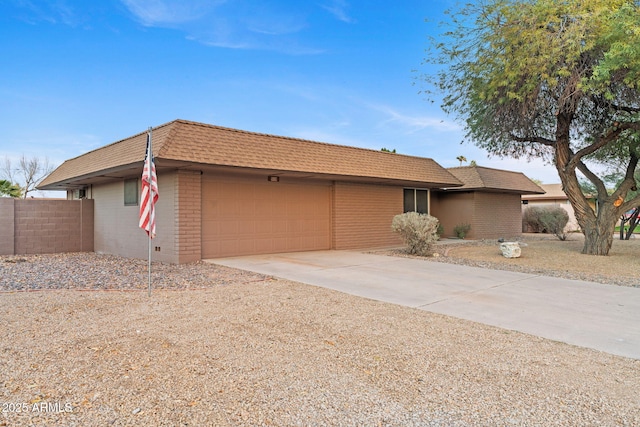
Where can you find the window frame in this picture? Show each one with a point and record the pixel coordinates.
(415, 191)
(131, 185)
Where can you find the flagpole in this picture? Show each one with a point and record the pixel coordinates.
(150, 206)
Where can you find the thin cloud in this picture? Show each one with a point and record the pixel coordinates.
(53, 12)
(230, 25)
(416, 123)
(338, 8)
(169, 12)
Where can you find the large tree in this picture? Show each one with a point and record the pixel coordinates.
(552, 79)
(29, 170)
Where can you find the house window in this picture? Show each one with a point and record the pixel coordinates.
(416, 200)
(131, 192)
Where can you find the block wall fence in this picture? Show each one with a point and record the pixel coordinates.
(41, 226)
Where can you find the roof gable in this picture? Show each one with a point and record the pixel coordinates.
(488, 179)
(184, 142)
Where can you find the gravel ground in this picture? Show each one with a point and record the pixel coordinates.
(215, 346)
(545, 255)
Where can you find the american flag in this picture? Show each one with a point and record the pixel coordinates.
(149, 195)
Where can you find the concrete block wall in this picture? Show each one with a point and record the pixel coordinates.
(40, 226)
(7, 230)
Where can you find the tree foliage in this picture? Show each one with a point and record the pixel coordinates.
(9, 189)
(550, 79)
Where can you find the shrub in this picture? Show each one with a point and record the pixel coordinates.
(554, 220)
(547, 219)
(531, 219)
(419, 231)
(461, 230)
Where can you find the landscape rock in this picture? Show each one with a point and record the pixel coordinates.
(510, 249)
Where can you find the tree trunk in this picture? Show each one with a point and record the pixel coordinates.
(633, 222)
(597, 242)
(598, 236)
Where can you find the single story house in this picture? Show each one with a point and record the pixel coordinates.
(489, 201)
(227, 192)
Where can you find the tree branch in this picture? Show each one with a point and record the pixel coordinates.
(626, 109)
(602, 141)
(536, 139)
(595, 180)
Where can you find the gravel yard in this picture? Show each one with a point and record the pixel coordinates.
(546, 255)
(217, 346)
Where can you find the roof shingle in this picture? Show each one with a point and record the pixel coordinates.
(483, 178)
(186, 141)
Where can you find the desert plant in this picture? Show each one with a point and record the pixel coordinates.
(531, 219)
(419, 231)
(555, 219)
(461, 230)
(547, 219)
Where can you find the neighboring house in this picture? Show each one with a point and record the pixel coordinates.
(489, 201)
(227, 192)
(554, 196)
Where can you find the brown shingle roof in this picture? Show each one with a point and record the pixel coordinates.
(185, 141)
(487, 179)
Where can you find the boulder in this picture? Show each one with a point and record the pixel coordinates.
(510, 249)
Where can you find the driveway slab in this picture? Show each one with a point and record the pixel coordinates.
(602, 317)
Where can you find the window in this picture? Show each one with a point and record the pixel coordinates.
(131, 192)
(416, 200)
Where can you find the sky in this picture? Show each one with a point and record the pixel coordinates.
(77, 74)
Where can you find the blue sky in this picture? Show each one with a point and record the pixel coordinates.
(80, 74)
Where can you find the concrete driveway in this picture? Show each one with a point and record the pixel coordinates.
(602, 317)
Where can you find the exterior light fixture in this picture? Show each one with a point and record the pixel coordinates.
(273, 178)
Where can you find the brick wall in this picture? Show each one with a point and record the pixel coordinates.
(188, 218)
(362, 215)
(497, 215)
(491, 215)
(38, 226)
(453, 209)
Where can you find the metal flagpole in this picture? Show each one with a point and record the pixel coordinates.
(150, 206)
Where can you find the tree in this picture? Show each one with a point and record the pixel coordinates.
(552, 80)
(29, 172)
(461, 159)
(7, 188)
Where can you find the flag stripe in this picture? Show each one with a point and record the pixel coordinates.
(149, 194)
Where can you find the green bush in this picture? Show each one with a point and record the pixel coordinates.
(547, 219)
(419, 231)
(461, 230)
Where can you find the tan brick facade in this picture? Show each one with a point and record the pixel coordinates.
(40, 226)
(497, 215)
(188, 216)
(491, 215)
(362, 215)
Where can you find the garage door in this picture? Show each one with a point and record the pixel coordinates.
(245, 216)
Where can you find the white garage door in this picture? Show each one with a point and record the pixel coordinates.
(244, 216)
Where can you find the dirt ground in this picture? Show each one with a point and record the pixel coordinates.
(547, 255)
(84, 345)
